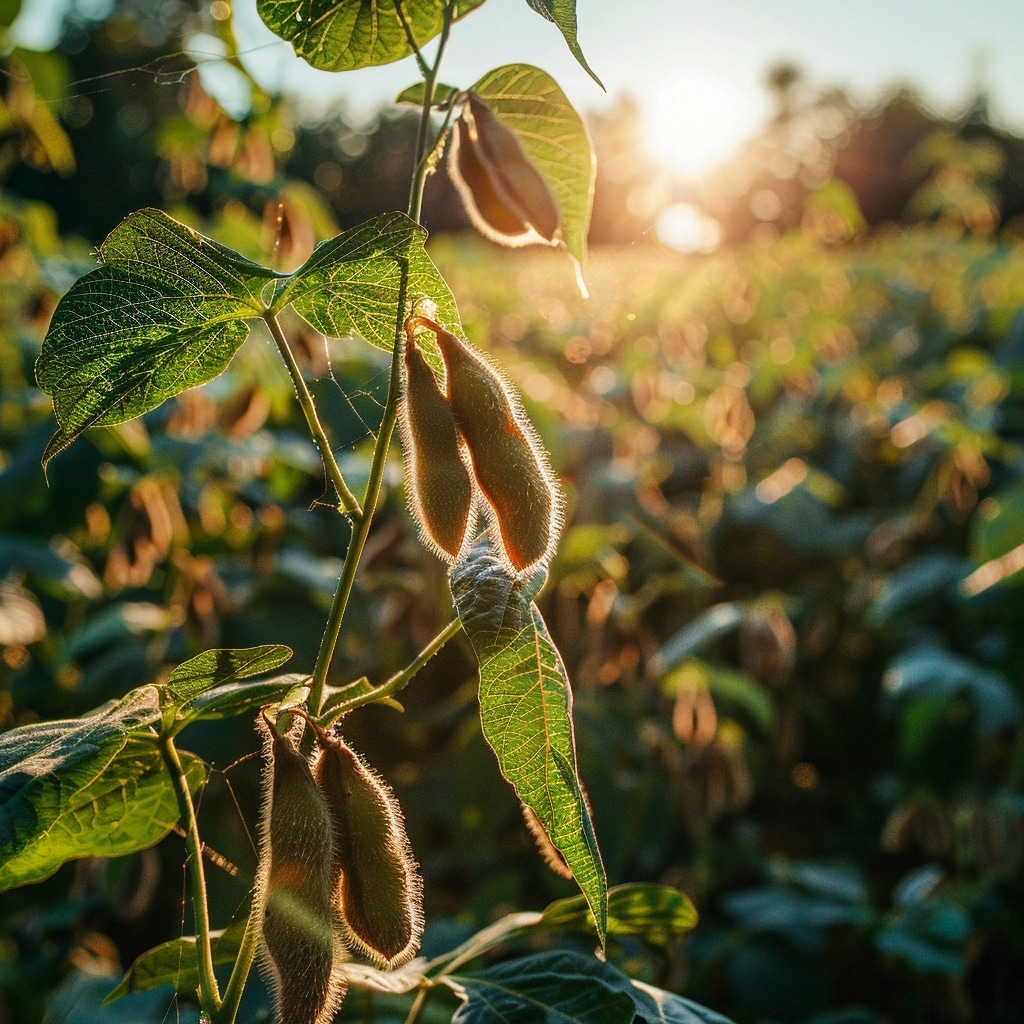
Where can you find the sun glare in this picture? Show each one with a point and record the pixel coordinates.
(694, 118)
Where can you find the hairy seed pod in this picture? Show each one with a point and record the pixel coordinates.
(301, 946)
(376, 888)
(550, 853)
(506, 198)
(509, 462)
(436, 478)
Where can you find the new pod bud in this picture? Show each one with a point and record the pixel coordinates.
(509, 462)
(300, 944)
(376, 888)
(505, 197)
(437, 481)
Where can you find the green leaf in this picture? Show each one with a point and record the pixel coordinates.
(177, 963)
(563, 14)
(94, 786)
(358, 281)
(165, 312)
(547, 988)
(526, 713)
(241, 698)
(219, 667)
(9, 10)
(554, 138)
(340, 35)
(414, 94)
(655, 913)
(656, 1006)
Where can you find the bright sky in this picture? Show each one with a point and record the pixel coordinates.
(697, 67)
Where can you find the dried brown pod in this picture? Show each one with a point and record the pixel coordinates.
(437, 482)
(376, 890)
(506, 198)
(509, 462)
(301, 946)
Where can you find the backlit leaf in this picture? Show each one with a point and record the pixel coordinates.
(656, 913)
(219, 667)
(563, 14)
(94, 786)
(165, 312)
(526, 713)
(177, 963)
(355, 281)
(241, 698)
(340, 35)
(554, 139)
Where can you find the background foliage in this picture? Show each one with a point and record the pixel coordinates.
(788, 594)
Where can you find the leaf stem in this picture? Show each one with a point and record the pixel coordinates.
(401, 679)
(208, 992)
(349, 502)
(417, 1005)
(361, 527)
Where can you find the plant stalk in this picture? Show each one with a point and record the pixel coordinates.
(361, 527)
(430, 73)
(348, 500)
(400, 680)
(240, 971)
(209, 993)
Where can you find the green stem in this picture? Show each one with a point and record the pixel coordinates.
(209, 994)
(399, 681)
(361, 527)
(422, 166)
(240, 972)
(348, 500)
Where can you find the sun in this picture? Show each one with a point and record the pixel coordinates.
(695, 118)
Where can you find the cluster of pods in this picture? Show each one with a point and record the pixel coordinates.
(336, 874)
(470, 448)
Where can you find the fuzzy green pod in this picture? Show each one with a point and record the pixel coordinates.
(301, 946)
(509, 462)
(376, 889)
(438, 484)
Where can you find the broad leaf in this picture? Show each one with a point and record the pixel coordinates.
(526, 714)
(165, 312)
(357, 281)
(656, 1006)
(340, 35)
(547, 988)
(94, 786)
(177, 963)
(563, 14)
(554, 138)
(219, 667)
(242, 698)
(656, 913)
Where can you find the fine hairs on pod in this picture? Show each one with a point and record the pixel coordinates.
(437, 482)
(509, 462)
(301, 947)
(376, 889)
